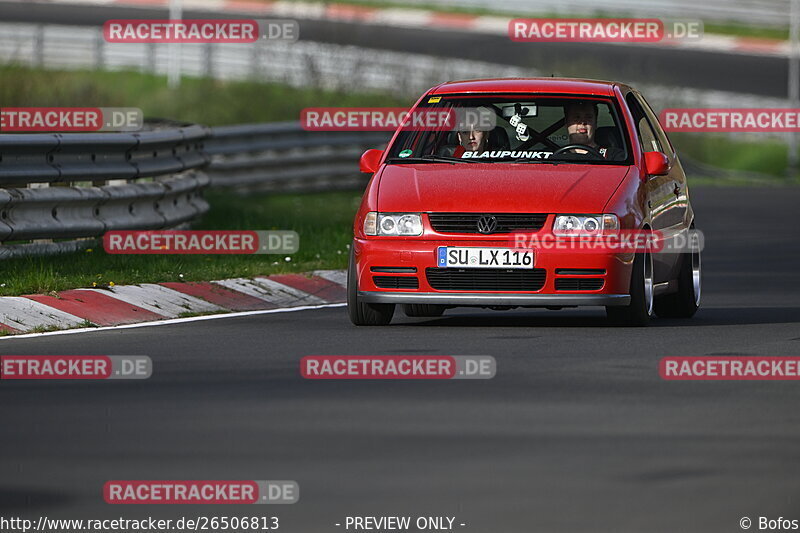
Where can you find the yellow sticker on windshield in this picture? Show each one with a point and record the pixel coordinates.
(434, 99)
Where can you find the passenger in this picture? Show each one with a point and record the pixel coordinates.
(474, 140)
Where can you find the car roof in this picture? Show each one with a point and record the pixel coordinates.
(524, 85)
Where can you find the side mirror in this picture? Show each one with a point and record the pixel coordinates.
(370, 160)
(656, 163)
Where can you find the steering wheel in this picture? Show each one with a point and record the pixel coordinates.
(582, 147)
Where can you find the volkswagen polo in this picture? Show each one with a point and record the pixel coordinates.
(489, 213)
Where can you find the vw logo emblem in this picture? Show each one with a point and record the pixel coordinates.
(487, 224)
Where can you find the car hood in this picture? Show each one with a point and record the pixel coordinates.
(497, 187)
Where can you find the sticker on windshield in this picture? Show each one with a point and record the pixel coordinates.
(502, 154)
(405, 153)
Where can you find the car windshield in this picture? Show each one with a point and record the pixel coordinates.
(520, 129)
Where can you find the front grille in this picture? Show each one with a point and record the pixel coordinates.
(485, 279)
(579, 284)
(394, 270)
(468, 222)
(396, 282)
(581, 271)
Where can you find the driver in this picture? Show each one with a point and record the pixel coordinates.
(581, 122)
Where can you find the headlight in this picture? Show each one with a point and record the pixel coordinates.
(584, 224)
(393, 224)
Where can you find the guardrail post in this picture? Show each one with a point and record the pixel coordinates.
(39, 186)
(174, 69)
(255, 61)
(38, 46)
(794, 81)
(209, 60)
(150, 65)
(99, 51)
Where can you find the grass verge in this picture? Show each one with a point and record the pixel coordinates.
(767, 157)
(324, 222)
(199, 100)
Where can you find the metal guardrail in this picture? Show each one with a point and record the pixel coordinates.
(282, 156)
(297, 64)
(62, 158)
(78, 186)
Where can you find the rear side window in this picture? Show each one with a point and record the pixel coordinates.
(648, 140)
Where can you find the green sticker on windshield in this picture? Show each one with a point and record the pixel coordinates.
(405, 153)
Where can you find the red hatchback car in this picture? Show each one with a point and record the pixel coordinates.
(561, 159)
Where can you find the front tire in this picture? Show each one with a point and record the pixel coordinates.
(684, 303)
(640, 309)
(361, 313)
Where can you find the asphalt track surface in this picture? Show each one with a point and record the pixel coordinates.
(576, 432)
(738, 73)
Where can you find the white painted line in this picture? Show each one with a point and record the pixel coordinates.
(214, 5)
(494, 25)
(247, 6)
(403, 17)
(337, 276)
(24, 314)
(306, 10)
(171, 321)
(161, 300)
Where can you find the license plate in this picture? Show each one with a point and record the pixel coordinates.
(471, 257)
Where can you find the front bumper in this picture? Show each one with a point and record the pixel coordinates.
(407, 259)
(494, 299)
